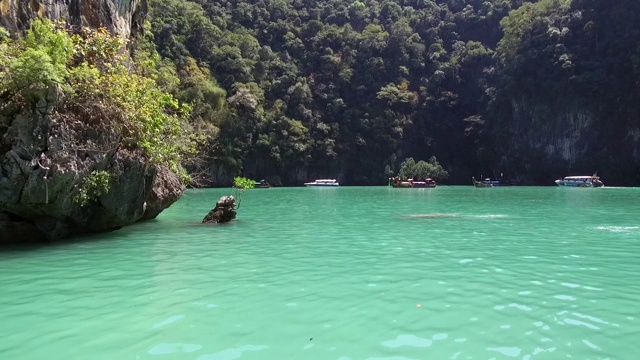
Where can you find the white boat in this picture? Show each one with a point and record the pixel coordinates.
(323, 182)
(580, 181)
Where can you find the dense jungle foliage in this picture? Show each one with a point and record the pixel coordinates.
(334, 88)
(291, 90)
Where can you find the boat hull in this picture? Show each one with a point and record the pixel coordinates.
(413, 186)
(582, 184)
(323, 183)
(481, 184)
(580, 181)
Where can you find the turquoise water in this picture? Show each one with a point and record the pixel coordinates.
(347, 273)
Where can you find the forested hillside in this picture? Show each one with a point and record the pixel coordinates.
(299, 89)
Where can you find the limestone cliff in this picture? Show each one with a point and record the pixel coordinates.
(46, 157)
(551, 140)
(124, 17)
(43, 163)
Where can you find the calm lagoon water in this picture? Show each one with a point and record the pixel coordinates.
(346, 273)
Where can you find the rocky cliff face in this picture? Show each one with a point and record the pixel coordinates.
(44, 162)
(124, 17)
(46, 159)
(550, 141)
(561, 135)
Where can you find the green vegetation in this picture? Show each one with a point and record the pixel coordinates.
(102, 88)
(409, 169)
(335, 87)
(39, 60)
(92, 187)
(241, 185)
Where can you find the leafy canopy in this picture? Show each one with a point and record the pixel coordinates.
(409, 169)
(93, 186)
(40, 59)
(242, 184)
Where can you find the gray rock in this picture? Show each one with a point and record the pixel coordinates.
(43, 162)
(224, 211)
(120, 16)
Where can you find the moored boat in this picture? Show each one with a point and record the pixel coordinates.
(262, 184)
(323, 182)
(486, 183)
(427, 183)
(580, 181)
(497, 182)
(410, 183)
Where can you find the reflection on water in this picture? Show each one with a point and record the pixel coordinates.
(526, 273)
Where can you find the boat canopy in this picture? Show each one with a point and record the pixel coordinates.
(581, 177)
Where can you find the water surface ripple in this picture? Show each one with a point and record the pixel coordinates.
(347, 273)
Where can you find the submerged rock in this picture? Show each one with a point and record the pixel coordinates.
(224, 211)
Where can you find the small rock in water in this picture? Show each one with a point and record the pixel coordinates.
(224, 211)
